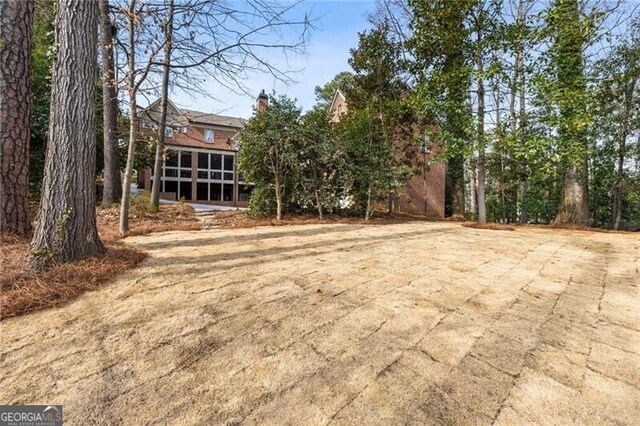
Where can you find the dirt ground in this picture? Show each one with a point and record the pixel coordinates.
(415, 323)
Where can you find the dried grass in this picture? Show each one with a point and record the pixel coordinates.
(21, 293)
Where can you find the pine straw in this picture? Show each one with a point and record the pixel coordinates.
(565, 228)
(491, 226)
(21, 293)
(240, 219)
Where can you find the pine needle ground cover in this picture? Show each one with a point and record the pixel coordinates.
(22, 293)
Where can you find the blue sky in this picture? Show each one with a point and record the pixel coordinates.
(338, 24)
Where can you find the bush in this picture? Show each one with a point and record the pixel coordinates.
(141, 203)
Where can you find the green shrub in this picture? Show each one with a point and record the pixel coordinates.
(141, 203)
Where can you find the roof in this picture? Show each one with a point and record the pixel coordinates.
(183, 117)
(213, 119)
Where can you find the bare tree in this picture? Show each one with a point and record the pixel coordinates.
(164, 100)
(112, 189)
(66, 226)
(134, 17)
(16, 27)
(219, 41)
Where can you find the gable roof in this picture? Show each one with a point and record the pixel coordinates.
(335, 98)
(184, 117)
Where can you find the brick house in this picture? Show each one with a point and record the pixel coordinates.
(424, 192)
(200, 165)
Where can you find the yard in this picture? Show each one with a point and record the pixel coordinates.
(347, 324)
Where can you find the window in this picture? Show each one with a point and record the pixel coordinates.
(244, 192)
(215, 176)
(216, 162)
(203, 161)
(208, 135)
(172, 159)
(171, 186)
(177, 165)
(168, 132)
(215, 191)
(227, 192)
(185, 190)
(228, 162)
(185, 160)
(202, 189)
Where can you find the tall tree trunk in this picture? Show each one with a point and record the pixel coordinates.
(112, 190)
(520, 84)
(501, 183)
(514, 198)
(619, 193)
(66, 227)
(568, 59)
(278, 199)
(574, 206)
(622, 148)
(367, 214)
(166, 68)
(456, 175)
(318, 203)
(473, 187)
(133, 125)
(16, 30)
(482, 212)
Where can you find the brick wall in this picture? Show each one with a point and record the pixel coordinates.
(424, 193)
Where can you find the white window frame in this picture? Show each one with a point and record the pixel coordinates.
(213, 136)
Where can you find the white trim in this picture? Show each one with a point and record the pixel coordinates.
(335, 96)
(208, 150)
(213, 135)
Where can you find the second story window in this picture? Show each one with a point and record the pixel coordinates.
(208, 135)
(168, 132)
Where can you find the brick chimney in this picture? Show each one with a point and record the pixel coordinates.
(262, 102)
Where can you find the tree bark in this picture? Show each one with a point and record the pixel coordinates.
(112, 190)
(133, 125)
(166, 68)
(318, 203)
(473, 187)
(574, 207)
(482, 212)
(572, 134)
(16, 29)
(66, 227)
(278, 199)
(520, 84)
(456, 175)
(629, 92)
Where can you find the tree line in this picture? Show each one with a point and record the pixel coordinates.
(535, 105)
